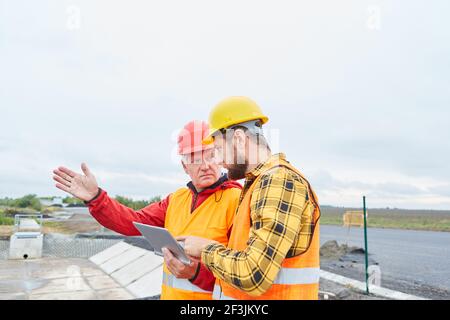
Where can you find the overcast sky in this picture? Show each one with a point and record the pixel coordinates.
(357, 91)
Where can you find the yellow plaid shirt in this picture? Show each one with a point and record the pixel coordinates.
(279, 229)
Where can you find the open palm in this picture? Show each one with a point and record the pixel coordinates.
(83, 187)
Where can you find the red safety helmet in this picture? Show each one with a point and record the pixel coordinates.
(191, 136)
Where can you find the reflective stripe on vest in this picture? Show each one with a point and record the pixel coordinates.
(285, 276)
(218, 295)
(298, 276)
(183, 284)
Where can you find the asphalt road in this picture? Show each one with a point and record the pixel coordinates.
(406, 258)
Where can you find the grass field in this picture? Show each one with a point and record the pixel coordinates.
(432, 220)
(5, 219)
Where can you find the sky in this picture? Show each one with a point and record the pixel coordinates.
(357, 91)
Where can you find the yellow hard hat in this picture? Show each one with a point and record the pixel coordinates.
(232, 111)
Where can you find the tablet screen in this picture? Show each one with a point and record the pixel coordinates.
(161, 238)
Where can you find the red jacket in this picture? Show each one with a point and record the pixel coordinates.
(117, 217)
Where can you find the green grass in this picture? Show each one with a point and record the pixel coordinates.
(5, 220)
(394, 218)
(53, 225)
(7, 214)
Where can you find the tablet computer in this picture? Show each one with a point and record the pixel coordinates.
(161, 238)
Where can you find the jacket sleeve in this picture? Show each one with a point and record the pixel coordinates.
(205, 279)
(119, 218)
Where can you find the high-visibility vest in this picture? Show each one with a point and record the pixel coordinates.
(298, 277)
(211, 220)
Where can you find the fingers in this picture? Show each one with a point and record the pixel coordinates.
(167, 254)
(168, 259)
(63, 175)
(67, 171)
(62, 181)
(180, 238)
(63, 187)
(172, 261)
(171, 269)
(86, 170)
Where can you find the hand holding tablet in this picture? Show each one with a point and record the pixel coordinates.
(161, 238)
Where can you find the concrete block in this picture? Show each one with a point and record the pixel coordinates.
(110, 253)
(137, 269)
(148, 285)
(121, 260)
(26, 245)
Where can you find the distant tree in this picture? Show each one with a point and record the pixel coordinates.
(6, 202)
(73, 201)
(136, 204)
(28, 201)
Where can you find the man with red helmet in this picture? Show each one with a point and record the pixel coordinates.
(205, 208)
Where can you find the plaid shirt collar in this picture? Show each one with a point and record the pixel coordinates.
(273, 161)
(250, 177)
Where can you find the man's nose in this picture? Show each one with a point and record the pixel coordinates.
(205, 166)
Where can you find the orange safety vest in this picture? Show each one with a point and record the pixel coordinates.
(212, 220)
(298, 277)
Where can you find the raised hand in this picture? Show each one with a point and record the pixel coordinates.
(83, 187)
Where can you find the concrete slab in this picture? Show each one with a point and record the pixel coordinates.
(13, 296)
(56, 278)
(69, 284)
(102, 282)
(138, 268)
(114, 294)
(61, 268)
(52, 272)
(6, 267)
(20, 285)
(110, 253)
(81, 295)
(126, 257)
(91, 271)
(148, 285)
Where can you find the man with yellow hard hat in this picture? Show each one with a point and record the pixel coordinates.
(273, 251)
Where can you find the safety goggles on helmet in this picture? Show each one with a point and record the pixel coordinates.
(254, 127)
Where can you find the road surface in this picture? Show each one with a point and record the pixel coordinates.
(414, 259)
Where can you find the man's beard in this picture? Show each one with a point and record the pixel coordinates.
(237, 171)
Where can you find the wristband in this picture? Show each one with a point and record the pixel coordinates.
(196, 273)
(96, 196)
